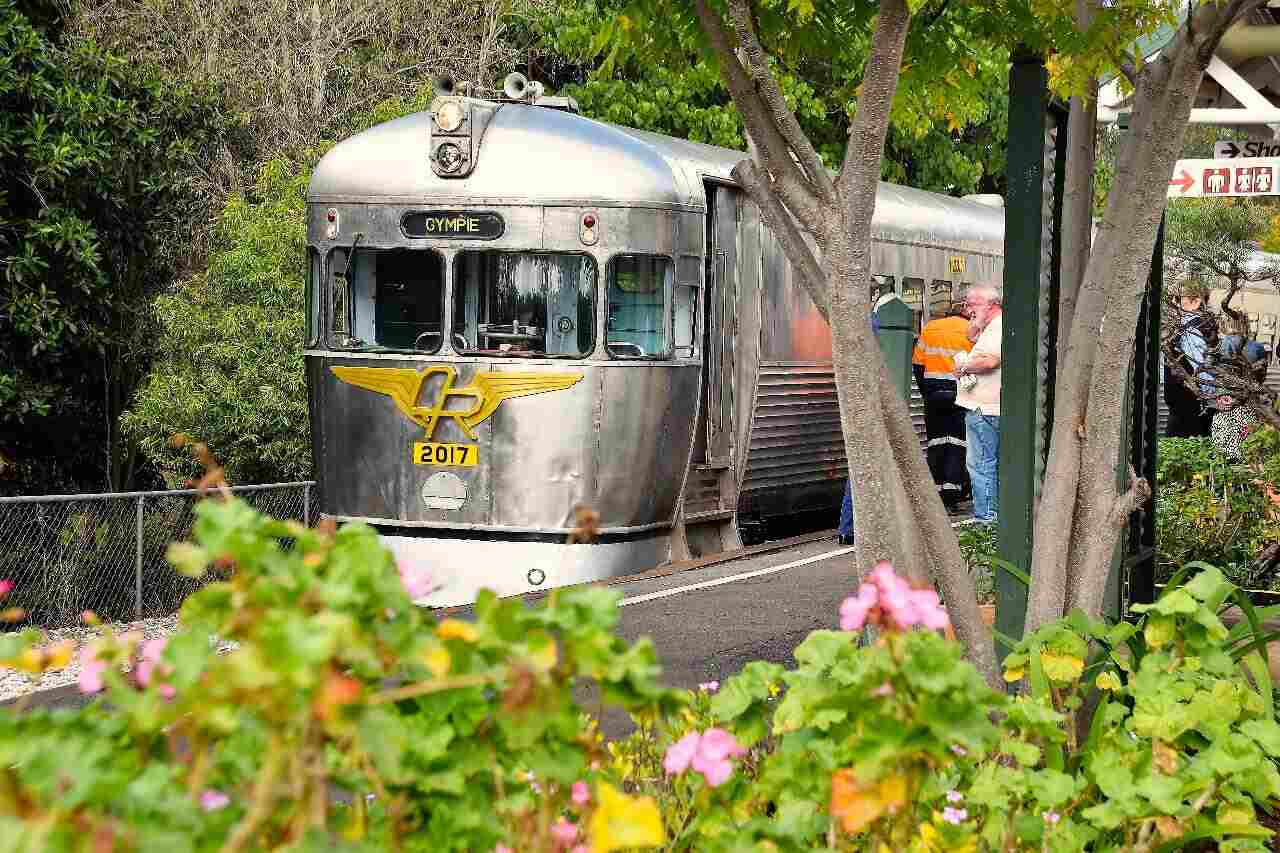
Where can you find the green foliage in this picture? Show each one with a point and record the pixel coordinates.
(948, 144)
(99, 162)
(1211, 510)
(446, 734)
(1217, 238)
(978, 545)
(230, 371)
(443, 735)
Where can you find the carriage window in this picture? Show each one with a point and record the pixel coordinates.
(524, 304)
(637, 306)
(389, 299)
(939, 298)
(913, 295)
(311, 296)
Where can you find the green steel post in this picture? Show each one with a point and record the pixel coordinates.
(1031, 241)
(897, 340)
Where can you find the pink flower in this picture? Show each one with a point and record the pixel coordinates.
(712, 757)
(91, 670)
(1051, 817)
(854, 609)
(955, 816)
(929, 610)
(954, 796)
(885, 689)
(6, 587)
(581, 794)
(709, 686)
(148, 659)
(212, 800)
(680, 754)
(416, 579)
(502, 848)
(959, 750)
(580, 848)
(564, 833)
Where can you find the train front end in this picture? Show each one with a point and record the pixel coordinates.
(492, 345)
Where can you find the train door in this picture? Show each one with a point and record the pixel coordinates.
(710, 503)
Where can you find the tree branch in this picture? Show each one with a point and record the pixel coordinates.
(757, 117)
(1131, 501)
(785, 229)
(740, 13)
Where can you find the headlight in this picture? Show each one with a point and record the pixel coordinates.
(449, 116)
(449, 157)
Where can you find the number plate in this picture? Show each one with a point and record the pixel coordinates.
(446, 455)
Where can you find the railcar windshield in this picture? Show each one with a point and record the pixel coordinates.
(389, 299)
(524, 304)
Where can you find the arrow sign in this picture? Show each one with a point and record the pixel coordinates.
(1183, 181)
(1226, 150)
(1239, 176)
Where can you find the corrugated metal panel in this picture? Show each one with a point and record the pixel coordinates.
(796, 437)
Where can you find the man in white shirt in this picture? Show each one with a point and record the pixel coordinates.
(980, 395)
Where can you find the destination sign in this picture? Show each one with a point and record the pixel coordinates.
(453, 225)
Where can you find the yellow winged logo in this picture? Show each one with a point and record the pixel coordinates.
(487, 391)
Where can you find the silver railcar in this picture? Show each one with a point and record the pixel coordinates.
(514, 311)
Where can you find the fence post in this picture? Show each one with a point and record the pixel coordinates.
(137, 567)
(306, 504)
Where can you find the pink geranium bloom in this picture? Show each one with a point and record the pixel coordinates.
(709, 686)
(955, 816)
(929, 610)
(712, 756)
(502, 848)
(211, 800)
(854, 609)
(564, 833)
(6, 587)
(91, 670)
(417, 580)
(581, 794)
(680, 754)
(148, 658)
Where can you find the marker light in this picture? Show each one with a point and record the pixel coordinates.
(587, 232)
(449, 157)
(449, 116)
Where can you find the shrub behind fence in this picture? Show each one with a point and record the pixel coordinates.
(105, 553)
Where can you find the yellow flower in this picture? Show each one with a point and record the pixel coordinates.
(1107, 681)
(1012, 675)
(623, 822)
(456, 629)
(1061, 668)
(438, 660)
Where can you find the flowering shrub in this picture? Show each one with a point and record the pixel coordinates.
(344, 718)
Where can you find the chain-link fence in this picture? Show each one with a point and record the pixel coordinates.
(69, 553)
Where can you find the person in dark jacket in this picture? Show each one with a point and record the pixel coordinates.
(1198, 334)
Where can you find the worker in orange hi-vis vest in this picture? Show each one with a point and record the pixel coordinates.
(934, 365)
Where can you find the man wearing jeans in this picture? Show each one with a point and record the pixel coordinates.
(978, 378)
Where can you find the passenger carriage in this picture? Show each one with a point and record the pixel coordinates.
(514, 310)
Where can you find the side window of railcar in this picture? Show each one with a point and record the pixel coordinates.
(939, 298)
(685, 307)
(524, 304)
(311, 296)
(880, 285)
(637, 306)
(913, 295)
(394, 300)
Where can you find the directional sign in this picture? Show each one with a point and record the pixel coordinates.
(1252, 148)
(1252, 176)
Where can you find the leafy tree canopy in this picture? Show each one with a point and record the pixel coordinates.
(946, 147)
(98, 183)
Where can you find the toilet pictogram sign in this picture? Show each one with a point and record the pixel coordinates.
(1252, 176)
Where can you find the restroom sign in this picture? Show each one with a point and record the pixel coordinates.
(1253, 176)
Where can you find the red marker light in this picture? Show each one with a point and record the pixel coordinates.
(332, 215)
(589, 221)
